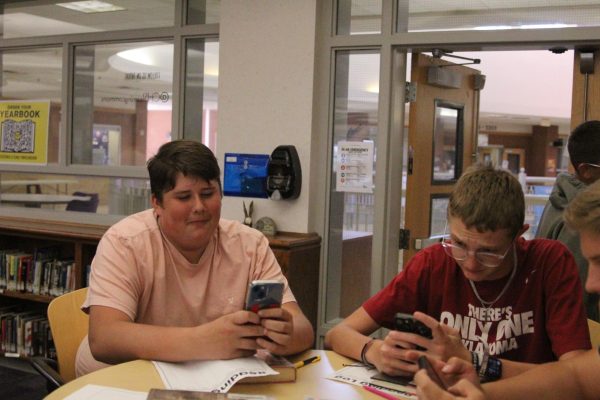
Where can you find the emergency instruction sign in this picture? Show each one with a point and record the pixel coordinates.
(354, 167)
(24, 132)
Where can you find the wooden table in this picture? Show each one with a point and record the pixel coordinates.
(141, 375)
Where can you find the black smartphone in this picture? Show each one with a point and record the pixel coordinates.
(407, 323)
(424, 363)
(264, 294)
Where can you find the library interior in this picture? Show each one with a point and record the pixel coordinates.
(340, 128)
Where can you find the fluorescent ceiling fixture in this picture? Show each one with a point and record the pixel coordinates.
(497, 27)
(492, 28)
(92, 6)
(532, 26)
(366, 33)
(547, 26)
(373, 88)
(159, 58)
(143, 55)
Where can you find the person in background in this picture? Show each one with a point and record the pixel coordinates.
(170, 283)
(584, 152)
(488, 292)
(577, 378)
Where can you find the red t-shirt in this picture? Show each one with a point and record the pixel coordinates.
(539, 318)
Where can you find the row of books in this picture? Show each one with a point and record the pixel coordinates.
(40, 272)
(25, 333)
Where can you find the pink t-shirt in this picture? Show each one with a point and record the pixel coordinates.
(138, 271)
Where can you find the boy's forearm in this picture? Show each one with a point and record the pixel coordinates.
(346, 341)
(124, 341)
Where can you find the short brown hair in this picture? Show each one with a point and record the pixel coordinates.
(188, 157)
(583, 212)
(488, 199)
(584, 144)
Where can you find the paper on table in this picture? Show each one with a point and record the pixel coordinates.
(210, 376)
(361, 376)
(96, 392)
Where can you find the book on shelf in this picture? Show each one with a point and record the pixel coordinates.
(41, 273)
(24, 333)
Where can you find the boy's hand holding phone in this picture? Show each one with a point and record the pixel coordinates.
(459, 380)
(424, 364)
(392, 356)
(436, 339)
(265, 297)
(413, 335)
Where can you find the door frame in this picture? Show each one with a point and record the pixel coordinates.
(393, 48)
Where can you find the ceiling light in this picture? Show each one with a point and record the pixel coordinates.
(373, 88)
(547, 26)
(142, 55)
(92, 6)
(532, 26)
(492, 27)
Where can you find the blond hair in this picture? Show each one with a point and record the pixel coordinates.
(583, 212)
(488, 199)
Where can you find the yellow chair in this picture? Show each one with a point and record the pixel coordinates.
(68, 325)
(594, 333)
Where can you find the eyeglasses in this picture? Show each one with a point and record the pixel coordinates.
(460, 253)
(589, 164)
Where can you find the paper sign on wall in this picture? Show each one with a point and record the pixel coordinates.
(354, 170)
(24, 132)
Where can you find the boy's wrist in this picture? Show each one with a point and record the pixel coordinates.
(363, 354)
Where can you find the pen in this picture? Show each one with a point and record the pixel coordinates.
(379, 392)
(311, 360)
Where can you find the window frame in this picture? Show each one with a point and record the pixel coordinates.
(178, 34)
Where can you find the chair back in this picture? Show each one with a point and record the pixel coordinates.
(90, 205)
(69, 325)
(594, 333)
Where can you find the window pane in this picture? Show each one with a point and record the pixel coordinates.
(447, 142)
(352, 202)
(43, 18)
(101, 195)
(203, 12)
(201, 88)
(358, 17)
(414, 15)
(122, 102)
(34, 75)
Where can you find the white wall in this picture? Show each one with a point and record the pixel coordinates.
(266, 64)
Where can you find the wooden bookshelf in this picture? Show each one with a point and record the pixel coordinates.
(74, 240)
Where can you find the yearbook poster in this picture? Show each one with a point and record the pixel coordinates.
(24, 132)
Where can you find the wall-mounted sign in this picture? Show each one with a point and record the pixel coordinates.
(354, 169)
(24, 132)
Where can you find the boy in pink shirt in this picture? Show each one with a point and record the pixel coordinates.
(169, 283)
